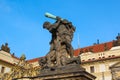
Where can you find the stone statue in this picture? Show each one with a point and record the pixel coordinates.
(59, 63)
(61, 50)
(5, 48)
(117, 42)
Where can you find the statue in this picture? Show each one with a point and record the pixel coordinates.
(5, 48)
(117, 42)
(61, 50)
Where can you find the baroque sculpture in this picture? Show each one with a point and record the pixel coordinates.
(5, 48)
(61, 50)
(20, 70)
(117, 42)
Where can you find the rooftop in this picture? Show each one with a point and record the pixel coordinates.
(95, 48)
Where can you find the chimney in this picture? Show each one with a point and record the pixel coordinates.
(97, 41)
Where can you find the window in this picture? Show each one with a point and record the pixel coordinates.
(92, 70)
(102, 67)
(2, 69)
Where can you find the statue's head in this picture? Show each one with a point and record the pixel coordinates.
(65, 21)
(46, 25)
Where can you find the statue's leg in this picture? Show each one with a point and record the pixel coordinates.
(69, 49)
(48, 60)
(58, 60)
(68, 45)
(57, 52)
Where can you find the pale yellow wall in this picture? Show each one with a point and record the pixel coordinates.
(7, 61)
(35, 64)
(6, 65)
(7, 69)
(98, 73)
(101, 67)
(6, 56)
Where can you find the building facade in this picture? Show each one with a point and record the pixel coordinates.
(102, 60)
(7, 61)
(99, 63)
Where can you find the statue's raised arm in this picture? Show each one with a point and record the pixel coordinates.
(49, 15)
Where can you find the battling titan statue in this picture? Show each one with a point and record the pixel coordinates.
(61, 50)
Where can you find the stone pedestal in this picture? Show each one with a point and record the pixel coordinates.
(79, 75)
(70, 72)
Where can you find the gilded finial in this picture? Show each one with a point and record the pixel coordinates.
(23, 57)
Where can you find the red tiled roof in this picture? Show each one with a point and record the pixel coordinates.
(33, 60)
(76, 52)
(95, 48)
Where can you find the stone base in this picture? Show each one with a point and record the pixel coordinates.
(80, 75)
(70, 72)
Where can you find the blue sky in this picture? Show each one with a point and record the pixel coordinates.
(21, 23)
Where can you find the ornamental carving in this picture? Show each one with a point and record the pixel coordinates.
(21, 69)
